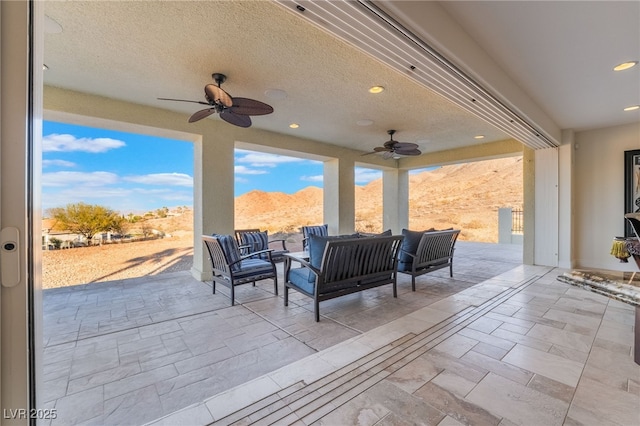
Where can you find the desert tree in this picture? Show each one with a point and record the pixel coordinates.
(119, 225)
(84, 219)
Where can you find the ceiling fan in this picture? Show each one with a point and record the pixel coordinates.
(392, 148)
(232, 110)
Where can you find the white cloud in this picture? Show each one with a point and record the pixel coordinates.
(120, 199)
(261, 159)
(65, 143)
(316, 178)
(167, 179)
(241, 179)
(79, 179)
(244, 170)
(366, 175)
(59, 163)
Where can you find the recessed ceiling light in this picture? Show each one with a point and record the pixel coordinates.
(376, 89)
(625, 66)
(276, 94)
(364, 122)
(632, 108)
(294, 125)
(479, 137)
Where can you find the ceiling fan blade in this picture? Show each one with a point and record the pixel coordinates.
(377, 150)
(236, 119)
(414, 151)
(199, 115)
(405, 145)
(245, 106)
(217, 95)
(183, 100)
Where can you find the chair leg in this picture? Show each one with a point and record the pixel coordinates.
(233, 295)
(395, 290)
(451, 269)
(286, 295)
(316, 309)
(214, 286)
(413, 282)
(275, 281)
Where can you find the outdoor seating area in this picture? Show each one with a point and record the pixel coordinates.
(164, 350)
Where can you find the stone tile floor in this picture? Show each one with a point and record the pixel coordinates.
(496, 344)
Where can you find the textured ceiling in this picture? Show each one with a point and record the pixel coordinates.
(139, 51)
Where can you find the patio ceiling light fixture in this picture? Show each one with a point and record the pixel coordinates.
(625, 66)
(376, 89)
(632, 108)
(294, 125)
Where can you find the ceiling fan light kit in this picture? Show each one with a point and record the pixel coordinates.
(236, 111)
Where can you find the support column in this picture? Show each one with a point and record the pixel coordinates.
(395, 200)
(566, 158)
(213, 196)
(339, 196)
(546, 207)
(529, 205)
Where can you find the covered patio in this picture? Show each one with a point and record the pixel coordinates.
(491, 345)
(164, 349)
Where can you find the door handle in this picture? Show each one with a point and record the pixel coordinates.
(9, 256)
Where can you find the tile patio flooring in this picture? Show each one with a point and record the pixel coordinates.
(499, 343)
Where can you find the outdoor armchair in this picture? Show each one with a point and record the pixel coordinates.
(426, 251)
(231, 269)
(258, 241)
(307, 231)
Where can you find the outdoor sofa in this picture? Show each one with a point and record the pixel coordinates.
(342, 265)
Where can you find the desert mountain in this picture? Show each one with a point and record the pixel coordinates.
(465, 196)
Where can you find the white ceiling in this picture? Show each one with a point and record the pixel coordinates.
(560, 53)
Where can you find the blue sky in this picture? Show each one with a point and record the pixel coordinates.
(137, 173)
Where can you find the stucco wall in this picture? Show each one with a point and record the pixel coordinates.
(599, 194)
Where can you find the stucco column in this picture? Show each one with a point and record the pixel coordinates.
(566, 156)
(395, 200)
(213, 196)
(529, 204)
(339, 196)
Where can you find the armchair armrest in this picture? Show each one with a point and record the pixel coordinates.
(302, 262)
(257, 253)
(284, 246)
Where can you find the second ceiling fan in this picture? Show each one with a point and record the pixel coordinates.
(392, 148)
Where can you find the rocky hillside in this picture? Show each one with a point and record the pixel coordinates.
(465, 196)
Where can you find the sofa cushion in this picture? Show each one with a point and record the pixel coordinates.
(303, 278)
(317, 244)
(386, 233)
